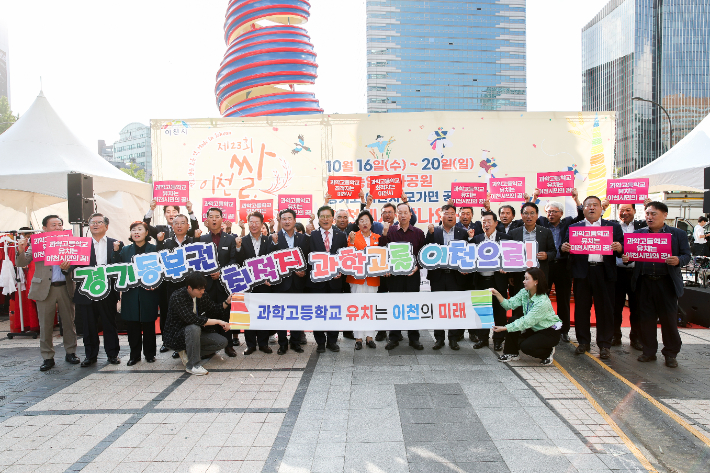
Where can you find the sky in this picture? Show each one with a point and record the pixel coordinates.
(107, 64)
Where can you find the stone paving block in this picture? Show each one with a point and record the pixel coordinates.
(522, 456)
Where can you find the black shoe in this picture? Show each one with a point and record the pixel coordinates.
(391, 344)
(282, 350)
(114, 360)
(616, 342)
(72, 358)
(454, 345)
(497, 346)
(88, 362)
(381, 336)
(636, 345)
(47, 364)
(249, 350)
(473, 337)
(371, 344)
(358, 345)
(230, 351)
(150, 359)
(132, 362)
(565, 337)
(462, 335)
(320, 349)
(349, 335)
(416, 345)
(176, 355)
(400, 337)
(304, 340)
(604, 353)
(333, 347)
(671, 362)
(297, 348)
(645, 358)
(480, 344)
(235, 342)
(265, 349)
(164, 349)
(581, 349)
(438, 345)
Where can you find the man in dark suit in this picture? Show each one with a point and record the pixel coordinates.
(286, 238)
(446, 279)
(531, 231)
(594, 280)
(327, 238)
(658, 286)
(91, 311)
(250, 246)
(170, 212)
(226, 252)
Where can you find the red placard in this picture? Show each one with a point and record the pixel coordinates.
(61, 248)
(649, 247)
(344, 187)
(555, 183)
(228, 206)
(469, 194)
(38, 240)
(504, 189)
(385, 187)
(590, 240)
(266, 207)
(301, 203)
(626, 191)
(171, 192)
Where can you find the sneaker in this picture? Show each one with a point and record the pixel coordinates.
(183, 357)
(546, 361)
(197, 370)
(507, 358)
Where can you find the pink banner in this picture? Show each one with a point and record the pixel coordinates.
(555, 183)
(590, 240)
(649, 247)
(38, 240)
(75, 250)
(301, 203)
(266, 207)
(226, 204)
(626, 191)
(505, 189)
(171, 192)
(469, 194)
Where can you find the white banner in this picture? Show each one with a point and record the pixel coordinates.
(345, 312)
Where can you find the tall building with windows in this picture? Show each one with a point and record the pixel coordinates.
(4, 60)
(445, 55)
(657, 50)
(133, 146)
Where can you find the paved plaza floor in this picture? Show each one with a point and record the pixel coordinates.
(354, 411)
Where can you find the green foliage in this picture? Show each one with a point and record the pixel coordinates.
(6, 116)
(136, 172)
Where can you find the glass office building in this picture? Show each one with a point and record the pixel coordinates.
(656, 50)
(445, 55)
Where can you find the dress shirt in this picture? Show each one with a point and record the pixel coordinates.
(529, 236)
(367, 239)
(256, 243)
(327, 235)
(215, 238)
(100, 250)
(627, 228)
(507, 227)
(557, 236)
(493, 239)
(413, 235)
(57, 275)
(655, 269)
(594, 258)
(467, 228)
(289, 239)
(149, 214)
(697, 232)
(448, 236)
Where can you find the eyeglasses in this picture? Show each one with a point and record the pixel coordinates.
(324, 217)
(529, 214)
(96, 223)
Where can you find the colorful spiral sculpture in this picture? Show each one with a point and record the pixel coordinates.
(261, 57)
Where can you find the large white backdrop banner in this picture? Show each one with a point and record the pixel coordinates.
(344, 312)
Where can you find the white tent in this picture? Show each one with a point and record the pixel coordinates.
(38, 152)
(681, 168)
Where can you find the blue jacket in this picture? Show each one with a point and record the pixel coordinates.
(679, 247)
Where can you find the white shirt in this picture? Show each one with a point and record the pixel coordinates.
(328, 236)
(594, 258)
(448, 236)
(100, 250)
(256, 243)
(626, 228)
(697, 231)
(493, 239)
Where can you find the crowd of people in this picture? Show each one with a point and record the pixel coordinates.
(194, 313)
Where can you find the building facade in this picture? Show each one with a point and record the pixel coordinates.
(133, 146)
(656, 50)
(445, 55)
(4, 61)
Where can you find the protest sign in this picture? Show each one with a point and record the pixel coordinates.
(649, 247)
(266, 207)
(385, 187)
(504, 189)
(344, 187)
(553, 184)
(227, 205)
(469, 194)
(302, 204)
(171, 192)
(626, 191)
(590, 240)
(66, 248)
(38, 240)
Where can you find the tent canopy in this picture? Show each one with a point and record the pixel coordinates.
(681, 167)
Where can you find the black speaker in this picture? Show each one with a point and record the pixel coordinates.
(694, 306)
(706, 201)
(707, 178)
(80, 197)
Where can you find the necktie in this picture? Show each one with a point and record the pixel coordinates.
(327, 242)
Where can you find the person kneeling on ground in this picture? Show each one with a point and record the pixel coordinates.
(538, 328)
(189, 315)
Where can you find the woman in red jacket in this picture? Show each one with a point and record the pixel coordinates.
(361, 239)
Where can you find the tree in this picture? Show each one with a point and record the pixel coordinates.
(6, 116)
(136, 172)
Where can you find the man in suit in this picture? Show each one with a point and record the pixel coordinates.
(286, 238)
(52, 286)
(594, 280)
(226, 252)
(532, 231)
(446, 279)
(658, 286)
(91, 311)
(327, 239)
(250, 246)
(170, 212)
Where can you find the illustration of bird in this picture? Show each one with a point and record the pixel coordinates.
(300, 146)
(439, 140)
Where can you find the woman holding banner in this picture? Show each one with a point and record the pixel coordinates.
(538, 328)
(139, 307)
(363, 238)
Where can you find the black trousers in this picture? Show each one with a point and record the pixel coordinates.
(331, 336)
(499, 314)
(404, 284)
(446, 281)
(91, 314)
(594, 289)
(700, 249)
(141, 334)
(296, 335)
(561, 277)
(621, 291)
(658, 303)
(253, 337)
(536, 344)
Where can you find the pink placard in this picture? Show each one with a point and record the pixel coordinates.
(228, 206)
(626, 191)
(555, 183)
(385, 187)
(649, 247)
(469, 194)
(590, 240)
(504, 189)
(301, 203)
(59, 249)
(171, 192)
(266, 207)
(344, 187)
(38, 240)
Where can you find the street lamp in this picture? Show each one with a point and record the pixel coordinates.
(670, 124)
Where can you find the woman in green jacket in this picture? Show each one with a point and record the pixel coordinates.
(139, 307)
(537, 332)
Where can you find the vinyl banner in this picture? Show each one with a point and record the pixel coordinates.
(508, 255)
(228, 206)
(266, 207)
(385, 187)
(652, 248)
(344, 312)
(302, 204)
(468, 194)
(171, 192)
(505, 189)
(626, 191)
(553, 184)
(64, 248)
(38, 240)
(591, 240)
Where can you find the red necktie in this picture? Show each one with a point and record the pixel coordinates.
(327, 242)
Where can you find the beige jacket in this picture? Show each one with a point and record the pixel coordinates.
(42, 278)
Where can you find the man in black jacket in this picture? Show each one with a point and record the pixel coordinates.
(532, 231)
(170, 212)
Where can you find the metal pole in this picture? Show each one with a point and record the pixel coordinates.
(670, 123)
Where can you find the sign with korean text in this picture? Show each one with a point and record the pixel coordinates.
(38, 241)
(171, 192)
(553, 184)
(626, 191)
(226, 204)
(266, 207)
(66, 248)
(344, 187)
(458, 255)
(648, 247)
(385, 187)
(590, 240)
(302, 204)
(505, 189)
(469, 194)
